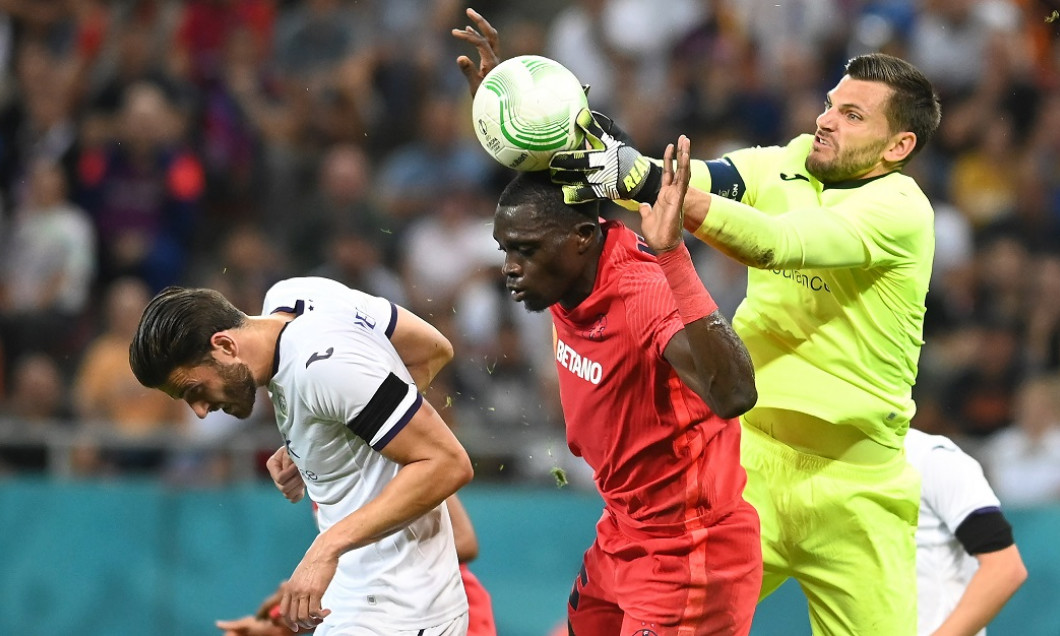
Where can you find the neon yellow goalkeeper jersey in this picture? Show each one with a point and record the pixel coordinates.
(834, 311)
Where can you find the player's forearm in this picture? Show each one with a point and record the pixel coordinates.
(736, 230)
(803, 238)
(418, 488)
(720, 371)
(720, 354)
(463, 530)
(999, 575)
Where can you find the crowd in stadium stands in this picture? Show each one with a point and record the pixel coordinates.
(230, 143)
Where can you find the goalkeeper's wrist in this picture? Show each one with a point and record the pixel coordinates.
(649, 191)
(693, 299)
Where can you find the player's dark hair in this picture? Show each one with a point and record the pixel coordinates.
(536, 190)
(914, 106)
(175, 331)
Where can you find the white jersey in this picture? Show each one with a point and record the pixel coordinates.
(953, 487)
(341, 393)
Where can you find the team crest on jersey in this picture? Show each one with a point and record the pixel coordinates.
(596, 332)
(644, 632)
(280, 401)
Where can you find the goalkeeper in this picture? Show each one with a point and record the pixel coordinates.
(839, 244)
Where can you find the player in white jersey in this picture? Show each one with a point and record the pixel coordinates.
(341, 367)
(967, 563)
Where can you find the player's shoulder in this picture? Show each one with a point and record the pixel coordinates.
(767, 157)
(925, 449)
(305, 286)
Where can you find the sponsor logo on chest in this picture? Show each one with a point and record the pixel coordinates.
(580, 366)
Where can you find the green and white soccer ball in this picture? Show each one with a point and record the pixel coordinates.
(525, 111)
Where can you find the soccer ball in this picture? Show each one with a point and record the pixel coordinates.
(525, 111)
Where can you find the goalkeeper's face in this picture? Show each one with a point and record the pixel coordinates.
(853, 133)
(546, 261)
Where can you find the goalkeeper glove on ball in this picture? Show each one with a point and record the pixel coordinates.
(610, 169)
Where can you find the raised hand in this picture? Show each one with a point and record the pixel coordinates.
(486, 40)
(662, 223)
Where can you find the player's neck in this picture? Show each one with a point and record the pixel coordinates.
(260, 338)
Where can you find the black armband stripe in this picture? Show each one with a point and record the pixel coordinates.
(725, 179)
(387, 398)
(393, 321)
(400, 424)
(985, 530)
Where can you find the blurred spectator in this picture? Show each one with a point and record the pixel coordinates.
(576, 39)
(951, 294)
(205, 28)
(1042, 341)
(1024, 460)
(447, 248)
(47, 266)
(39, 124)
(353, 259)
(138, 38)
(984, 180)
(107, 396)
(981, 397)
(949, 40)
(342, 202)
(779, 30)
(37, 400)
(49, 21)
(443, 157)
(1001, 283)
(144, 191)
(38, 391)
(245, 265)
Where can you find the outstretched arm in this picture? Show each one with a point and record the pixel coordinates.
(707, 354)
(486, 41)
(999, 575)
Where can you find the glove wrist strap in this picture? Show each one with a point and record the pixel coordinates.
(649, 192)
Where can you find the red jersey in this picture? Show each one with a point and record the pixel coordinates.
(657, 451)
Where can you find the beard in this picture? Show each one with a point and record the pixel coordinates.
(846, 164)
(240, 389)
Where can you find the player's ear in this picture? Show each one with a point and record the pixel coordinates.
(223, 343)
(585, 231)
(902, 144)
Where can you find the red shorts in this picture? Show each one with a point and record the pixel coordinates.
(700, 583)
(480, 608)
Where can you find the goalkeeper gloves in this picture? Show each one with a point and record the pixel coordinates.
(610, 169)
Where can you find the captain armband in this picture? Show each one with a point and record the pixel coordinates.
(725, 179)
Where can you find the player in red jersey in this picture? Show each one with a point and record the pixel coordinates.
(651, 380)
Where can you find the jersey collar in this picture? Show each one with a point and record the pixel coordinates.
(855, 183)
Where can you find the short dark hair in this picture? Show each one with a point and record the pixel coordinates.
(175, 331)
(535, 189)
(914, 106)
